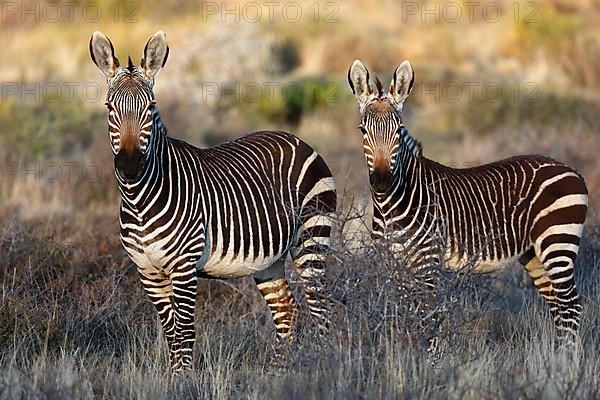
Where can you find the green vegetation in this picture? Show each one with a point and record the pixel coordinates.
(46, 130)
(290, 102)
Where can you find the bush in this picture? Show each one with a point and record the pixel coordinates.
(288, 103)
(40, 131)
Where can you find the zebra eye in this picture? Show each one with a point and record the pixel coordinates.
(362, 129)
(109, 106)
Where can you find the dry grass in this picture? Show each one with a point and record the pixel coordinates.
(74, 321)
(76, 324)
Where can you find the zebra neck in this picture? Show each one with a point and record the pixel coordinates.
(158, 137)
(409, 157)
(158, 146)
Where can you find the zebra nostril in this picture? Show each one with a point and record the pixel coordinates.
(381, 180)
(130, 165)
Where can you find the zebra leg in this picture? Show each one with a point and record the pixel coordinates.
(310, 259)
(558, 266)
(185, 284)
(160, 291)
(537, 272)
(272, 285)
(557, 230)
(434, 308)
(560, 273)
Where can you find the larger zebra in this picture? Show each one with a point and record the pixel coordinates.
(527, 207)
(233, 210)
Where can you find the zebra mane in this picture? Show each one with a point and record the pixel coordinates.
(130, 65)
(413, 144)
(418, 150)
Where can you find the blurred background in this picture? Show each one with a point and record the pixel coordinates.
(493, 79)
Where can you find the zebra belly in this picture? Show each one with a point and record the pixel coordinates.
(152, 260)
(235, 267)
(472, 264)
(214, 265)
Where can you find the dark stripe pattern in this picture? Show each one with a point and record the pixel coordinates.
(233, 210)
(527, 207)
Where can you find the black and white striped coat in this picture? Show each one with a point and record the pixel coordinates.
(233, 210)
(531, 208)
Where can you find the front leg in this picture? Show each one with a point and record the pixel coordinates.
(160, 291)
(434, 300)
(185, 285)
(424, 297)
(378, 225)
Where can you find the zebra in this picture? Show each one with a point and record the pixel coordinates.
(233, 210)
(529, 208)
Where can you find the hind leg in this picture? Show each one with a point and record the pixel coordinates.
(558, 254)
(310, 259)
(556, 230)
(272, 285)
(537, 272)
(560, 273)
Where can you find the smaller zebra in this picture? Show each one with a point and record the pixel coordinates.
(233, 210)
(531, 208)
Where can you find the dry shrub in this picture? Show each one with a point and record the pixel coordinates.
(82, 328)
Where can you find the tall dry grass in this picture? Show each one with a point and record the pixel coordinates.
(76, 324)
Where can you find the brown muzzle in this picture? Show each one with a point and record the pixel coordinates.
(381, 178)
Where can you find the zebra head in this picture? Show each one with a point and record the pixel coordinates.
(381, 121)
(130, 100)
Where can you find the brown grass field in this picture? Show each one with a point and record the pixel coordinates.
(74, 320)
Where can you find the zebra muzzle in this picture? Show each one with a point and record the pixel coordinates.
(381, 180)
(130, 165)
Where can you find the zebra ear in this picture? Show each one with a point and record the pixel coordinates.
(156, 53)
(358, 78)
(103, 54)
(402, 83)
